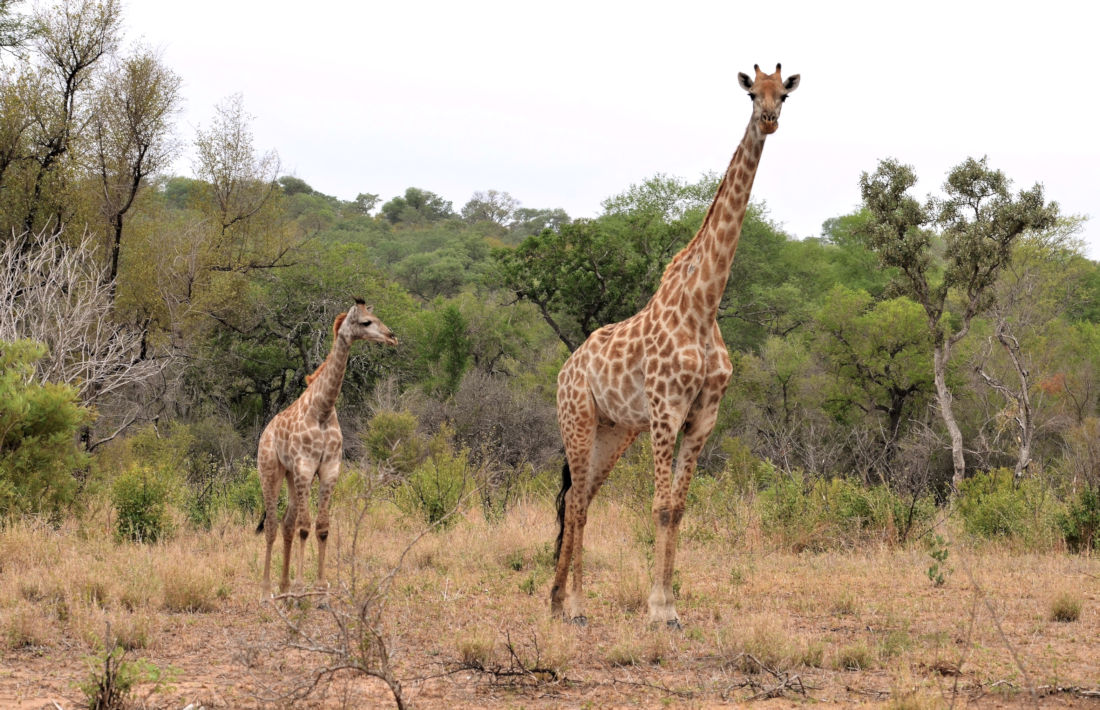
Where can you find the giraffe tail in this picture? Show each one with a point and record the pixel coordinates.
(260, 527)
(566, 484)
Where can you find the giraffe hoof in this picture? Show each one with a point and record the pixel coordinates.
(674, 625)
(580, 621)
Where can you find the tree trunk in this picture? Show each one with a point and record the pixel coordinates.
(940, 355)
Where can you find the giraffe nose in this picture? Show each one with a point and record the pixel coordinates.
(769, 117)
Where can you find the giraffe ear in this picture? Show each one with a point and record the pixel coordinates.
(792, 83)
(744, 80)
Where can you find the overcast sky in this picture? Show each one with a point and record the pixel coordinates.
(563, 104)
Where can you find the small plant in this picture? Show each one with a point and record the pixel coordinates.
(113, 679)
(1065, 607)
(476, 651)
(529, 584)
(855, 657)
(938, 571)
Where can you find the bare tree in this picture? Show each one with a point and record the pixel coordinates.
(241, 182)
(58, 294)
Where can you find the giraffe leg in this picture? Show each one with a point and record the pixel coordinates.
(609, 445)
(289, 520)
(304, 480)
(271, 482)
(577, 419)
(661, 609)
(698, 425)
(330, 471)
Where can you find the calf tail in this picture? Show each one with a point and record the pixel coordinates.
(260, 527)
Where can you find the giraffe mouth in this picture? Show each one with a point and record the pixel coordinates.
(769, 127)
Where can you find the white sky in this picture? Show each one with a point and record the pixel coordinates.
(563, 104)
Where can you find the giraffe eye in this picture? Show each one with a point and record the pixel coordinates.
(752, 96)
(366, 324)
(783, 97)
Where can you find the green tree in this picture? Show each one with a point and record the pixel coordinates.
(879, 356)
(589, 273)
(417, 207)
(38, 426)
(492, 206)
(47, 130)
(446, 349)
(15, 31)
(980, 221)
(131, 135)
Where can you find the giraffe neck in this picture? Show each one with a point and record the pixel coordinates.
(326, 388)
(696, 278)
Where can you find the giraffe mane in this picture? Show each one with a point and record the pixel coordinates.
(335, 330)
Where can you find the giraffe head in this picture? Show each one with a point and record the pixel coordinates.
(768, 92)
(360, 323)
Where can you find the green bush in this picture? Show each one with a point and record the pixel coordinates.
(38, 427)
(141, 496)
(993, 505)
(1080, 523)
(436, 487)
(391, 440)
(837, 512)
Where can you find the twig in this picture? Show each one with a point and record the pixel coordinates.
(654, 686)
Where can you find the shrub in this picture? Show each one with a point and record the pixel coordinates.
(141, 496)
(391, 440)
(1080, 523)
(1065, 607)
(992, 505)
(437, 485)
(38, 426)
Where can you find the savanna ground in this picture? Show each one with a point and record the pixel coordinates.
(466, 620)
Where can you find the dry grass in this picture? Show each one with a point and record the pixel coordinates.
(471, 602)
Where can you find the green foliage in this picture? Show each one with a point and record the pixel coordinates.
(821, 514)
(391, 440)
(880, 352)
(38, 427)
(993, 505)
(417, 206)
(142, 496)
(588, 273)
(436, 487)
(446, 349)
(1080, 522)
(112, 679)
(938, 571)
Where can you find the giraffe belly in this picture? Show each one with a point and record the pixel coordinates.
(625, 404)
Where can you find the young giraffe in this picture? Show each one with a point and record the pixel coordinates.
(664, 369)
(304, 441)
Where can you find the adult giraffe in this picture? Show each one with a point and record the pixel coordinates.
(304, 442)
(664, 369)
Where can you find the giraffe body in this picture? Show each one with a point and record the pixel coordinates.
(663, 370)
(304, 442)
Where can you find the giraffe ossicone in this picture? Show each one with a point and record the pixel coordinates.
(304, 442)
(663, 370)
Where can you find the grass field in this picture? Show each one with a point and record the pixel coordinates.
(465, 621)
